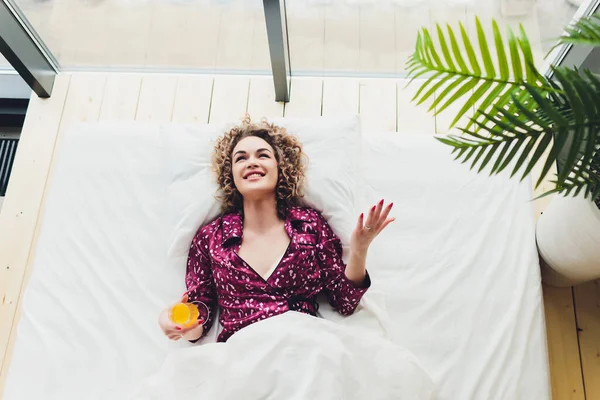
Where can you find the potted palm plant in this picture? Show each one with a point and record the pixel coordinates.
(525, 119)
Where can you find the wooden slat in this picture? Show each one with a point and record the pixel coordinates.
(563, 350)
(230, 99)
(378, 105)
(84, 100)
(192, 99)
(306, 96)
(261, 99)
(413, 118)
(587, 306)
(340, 96)
(157, 96)
(120, 99)
(21, 208)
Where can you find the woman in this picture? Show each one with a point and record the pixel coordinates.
(266, 255)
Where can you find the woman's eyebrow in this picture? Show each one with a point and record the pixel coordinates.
(258, 151)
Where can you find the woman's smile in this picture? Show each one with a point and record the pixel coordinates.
(254, 175)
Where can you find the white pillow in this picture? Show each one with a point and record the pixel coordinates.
(331, 144)
(192, 189)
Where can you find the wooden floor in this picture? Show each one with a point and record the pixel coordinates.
(573, 315)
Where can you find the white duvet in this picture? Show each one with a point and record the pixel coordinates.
(291, 356)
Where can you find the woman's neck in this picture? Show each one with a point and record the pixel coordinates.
(260, 215)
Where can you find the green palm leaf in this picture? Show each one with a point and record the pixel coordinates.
(527, 135)
(485, 52)
(502, 60)
(522, 118)
(514, 56)
(454, 78)
(456, 51)
(581, 179)
(585, 31)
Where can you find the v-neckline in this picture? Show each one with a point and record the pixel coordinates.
(273, 270)
(288, 230)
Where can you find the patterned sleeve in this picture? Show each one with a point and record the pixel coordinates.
(199, 279)
(340, 291)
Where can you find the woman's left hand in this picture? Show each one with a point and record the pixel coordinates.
(366, 231)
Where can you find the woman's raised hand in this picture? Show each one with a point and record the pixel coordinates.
(365, 231)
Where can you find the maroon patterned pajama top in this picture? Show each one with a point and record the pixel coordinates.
(312, 264)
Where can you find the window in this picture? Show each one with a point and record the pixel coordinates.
(8, 149)
(12, 116)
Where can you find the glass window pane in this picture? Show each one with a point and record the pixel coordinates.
(212, 35)
(368, 37)
(327, 37)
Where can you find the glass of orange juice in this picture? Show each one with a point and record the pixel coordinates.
(188, 314)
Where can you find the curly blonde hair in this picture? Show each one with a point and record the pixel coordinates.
(291, 163)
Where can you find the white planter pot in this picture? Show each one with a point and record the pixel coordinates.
(568, 239)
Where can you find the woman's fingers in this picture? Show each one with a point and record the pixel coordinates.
(371, 217)
(385, 214)
(188, 328)
(360, 223)
(378, 208)
(374, 220)
(176, 334)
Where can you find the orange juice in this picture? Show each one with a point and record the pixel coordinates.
(185, 314)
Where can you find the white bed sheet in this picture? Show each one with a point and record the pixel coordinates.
(458, 270)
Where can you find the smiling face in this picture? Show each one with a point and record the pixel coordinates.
(254, 168)
(267, 150)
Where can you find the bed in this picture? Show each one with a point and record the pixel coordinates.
(458, 271)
